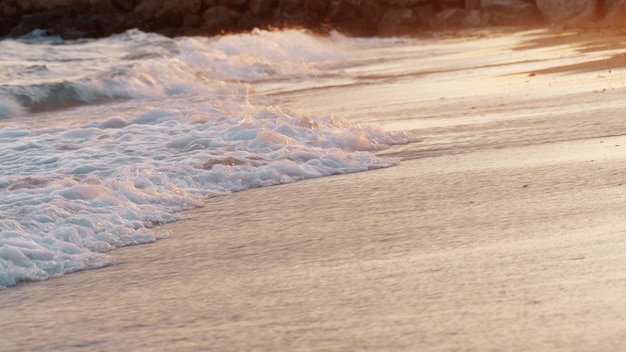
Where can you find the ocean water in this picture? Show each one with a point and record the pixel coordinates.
(501, 229)
(101, 140)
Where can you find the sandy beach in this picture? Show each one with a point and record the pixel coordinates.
(503, 229)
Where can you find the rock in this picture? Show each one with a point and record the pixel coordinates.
(149, 9)
(476, 18)
(290, 6)
(112, 23)
(77, 25)
(444, 4)
(190, 6)
(449, 17)
(511, 12)
(426, 12)
(568, 11)
(126, 5)
(8, 10)
(37, 20)
(356, 26)
(67, 22)
(102, 6)
(192, 20)
(182, 6)
(371, 9)
(345, 17)
(233, 2)
(261, 7)
(405, 3)
(8, 19)
(156, 16)
(398, 21)
(53, 4)
(218, 18)
(472, 4)
(318, 7)
(614, 12)
(75, 18)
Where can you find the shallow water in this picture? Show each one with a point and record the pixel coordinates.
(502, 229)
(110, 137)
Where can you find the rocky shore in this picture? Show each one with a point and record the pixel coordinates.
(98, 18)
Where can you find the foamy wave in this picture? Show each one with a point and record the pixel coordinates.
(71, 192)
(149, 65)
(9, 107)
(88, 189)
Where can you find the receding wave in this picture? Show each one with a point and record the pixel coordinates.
(53, 96)
(102, 178)
(148, 66)
(9, 107)
(66, 210)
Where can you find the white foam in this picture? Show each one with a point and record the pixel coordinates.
(91, 188)
(9, 107)
(102, 176)
(139, 66)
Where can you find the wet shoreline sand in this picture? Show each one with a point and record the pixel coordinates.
(501, 230)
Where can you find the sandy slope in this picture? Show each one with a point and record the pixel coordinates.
(503, 230)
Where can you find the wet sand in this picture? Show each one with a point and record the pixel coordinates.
(502, 230)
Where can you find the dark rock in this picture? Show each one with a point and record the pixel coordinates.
(425, 12)
(344, 16)
(371, 9)
(355, 26)
(190, 31)
(398, 21)
(449, 17)
(76, 26)
(157, 15)
(103, 6)
(54, 4)
(317, 7)
(568, 11)
(218, 18)
(291, 6)
(6, 24)
(9, 17)
(126, 5)
(88, 18)
(406, 3)
(341, 10)
(446, 4)
(191, 6)
(472, 4)
(24, 6)
(261, 7)
(113, 23)
(476, 18)
(192, 20)
(511, 12)
(614, 12)
(249, 21)
(37, 20)
(233, 2)
(149, 9)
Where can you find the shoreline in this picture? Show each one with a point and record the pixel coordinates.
(517, 261)
(503, 229)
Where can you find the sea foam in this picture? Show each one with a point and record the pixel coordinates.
(103, 175)
(137, 65)
(85, 190)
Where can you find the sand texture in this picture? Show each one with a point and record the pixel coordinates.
(502, 230)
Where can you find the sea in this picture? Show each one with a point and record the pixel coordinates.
(457, 191)
(102, 139)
